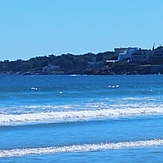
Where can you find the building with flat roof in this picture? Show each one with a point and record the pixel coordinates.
(141, 55)
(127, 55)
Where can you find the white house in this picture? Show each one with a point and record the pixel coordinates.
(117, 51)
(127, 55)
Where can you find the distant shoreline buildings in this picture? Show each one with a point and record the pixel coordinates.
(134, 54)
(131, 60)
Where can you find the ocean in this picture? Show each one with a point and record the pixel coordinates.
(77, 119)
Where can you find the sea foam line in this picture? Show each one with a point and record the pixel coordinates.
(66, 116)
(80, 148)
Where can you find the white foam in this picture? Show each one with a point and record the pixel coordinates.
(80, 148)
(43, 117)
(34, 88)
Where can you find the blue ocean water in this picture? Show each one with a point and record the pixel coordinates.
(81, 118)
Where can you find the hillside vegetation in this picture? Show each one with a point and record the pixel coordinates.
(89, 64)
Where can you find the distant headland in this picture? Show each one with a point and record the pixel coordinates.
(131, 60)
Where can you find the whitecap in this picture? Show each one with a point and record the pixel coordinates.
(80, 148)
(34, 88)
(77, 115)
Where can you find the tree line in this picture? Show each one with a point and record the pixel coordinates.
(52, 64)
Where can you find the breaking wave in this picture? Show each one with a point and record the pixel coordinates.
(80, 148)
(72, 115)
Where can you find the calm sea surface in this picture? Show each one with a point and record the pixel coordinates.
(81, 119)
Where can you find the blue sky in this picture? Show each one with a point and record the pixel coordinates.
(30, 28)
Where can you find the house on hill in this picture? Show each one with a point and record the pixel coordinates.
(127, 55)
(157, 55)
(141, 55)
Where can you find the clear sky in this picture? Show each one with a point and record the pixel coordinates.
(30, 28)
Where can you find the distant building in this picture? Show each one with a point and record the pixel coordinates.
(158, 52)
(127, 55)
(50, 68)
(94, 64)
(157, 55)
(141, 55)
(117, 51)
